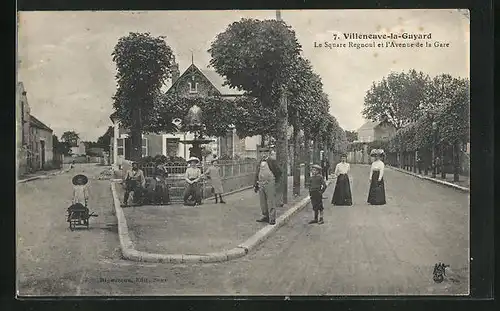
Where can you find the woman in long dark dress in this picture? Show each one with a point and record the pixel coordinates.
(342, 192)
(376, 194)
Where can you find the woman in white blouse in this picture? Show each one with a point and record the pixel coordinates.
(376, 194)
(342, 192)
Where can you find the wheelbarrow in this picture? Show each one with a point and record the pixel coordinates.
(78, 216)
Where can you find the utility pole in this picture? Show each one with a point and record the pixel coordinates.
(282, 141)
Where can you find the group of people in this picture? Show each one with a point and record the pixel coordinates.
(156, 189)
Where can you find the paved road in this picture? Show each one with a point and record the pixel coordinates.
(50, 258)
(384, 250)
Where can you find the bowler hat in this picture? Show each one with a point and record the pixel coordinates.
(80, 180)
(316, 166)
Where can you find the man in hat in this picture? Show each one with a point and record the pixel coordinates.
(266, 175)
(193, 177)
(134, 182)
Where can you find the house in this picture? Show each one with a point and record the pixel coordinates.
(193, 82)
(34, 138)
(375, 130)
(22, 128)
(78, 149)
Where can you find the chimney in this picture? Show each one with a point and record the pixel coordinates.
(175, 72)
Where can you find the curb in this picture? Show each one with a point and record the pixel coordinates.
(42, 176)
(442, 182)
(130, 253)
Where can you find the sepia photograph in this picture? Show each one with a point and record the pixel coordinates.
(243, 153)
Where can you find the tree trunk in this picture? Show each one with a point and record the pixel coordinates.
(456, 161)
(296, 161)
(307, 158)
(136, 137)
(443, 172)
(282, 147)
(316, 152)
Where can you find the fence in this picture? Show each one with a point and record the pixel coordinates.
(235, 175)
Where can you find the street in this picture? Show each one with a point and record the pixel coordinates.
(360, 250)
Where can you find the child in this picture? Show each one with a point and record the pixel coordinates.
(80, 194)
(316, 189)
(80, 190)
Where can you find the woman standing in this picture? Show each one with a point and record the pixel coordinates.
(214, 178)
(342, 192)
(193, 180)
(376, 194)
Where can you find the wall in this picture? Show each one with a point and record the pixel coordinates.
(366, 135)
(384, 131)
(36, 135)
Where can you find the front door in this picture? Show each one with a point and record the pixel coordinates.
(42, 153)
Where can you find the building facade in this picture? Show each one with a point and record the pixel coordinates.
(33, 137)
(375, 130)
(193, 82)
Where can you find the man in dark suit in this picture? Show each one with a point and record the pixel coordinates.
(266, 175)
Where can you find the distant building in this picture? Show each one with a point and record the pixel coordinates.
(78, 149)
(193, 82)
(375, 130)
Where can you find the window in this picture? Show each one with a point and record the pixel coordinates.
(144, 147)
(172, 146)
(193, 87)
(121, 146)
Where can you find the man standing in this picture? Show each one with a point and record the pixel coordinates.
(266, 175)
(134, 182)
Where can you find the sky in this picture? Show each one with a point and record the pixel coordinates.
(65, 63)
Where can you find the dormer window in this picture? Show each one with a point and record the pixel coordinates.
(193, 87)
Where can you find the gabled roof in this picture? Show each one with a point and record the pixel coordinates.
(218, 82)
(213, 78)
(39, 124)
(369, 125)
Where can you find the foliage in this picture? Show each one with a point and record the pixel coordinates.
(143, 64)
(61, 147)
(351, 136)
(256, 56)
(397, 98)
(104, 141)
(447, 103)
(70, 137)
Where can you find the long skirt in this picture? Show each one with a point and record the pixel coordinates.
(342, 193)
(376, 194)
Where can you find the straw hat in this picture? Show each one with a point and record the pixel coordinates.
(316, 166)
(195, 159)
(80, 180)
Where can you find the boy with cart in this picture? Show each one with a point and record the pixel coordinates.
(78, 212)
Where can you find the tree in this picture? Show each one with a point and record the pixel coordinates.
(259, 57)
(143, 64)
(398, 98)
(351, 136)
(104, 141)
(70, 137)
(61, 147)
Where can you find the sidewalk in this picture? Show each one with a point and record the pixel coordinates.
(209, 228)
(41, 174)
(463, 183)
